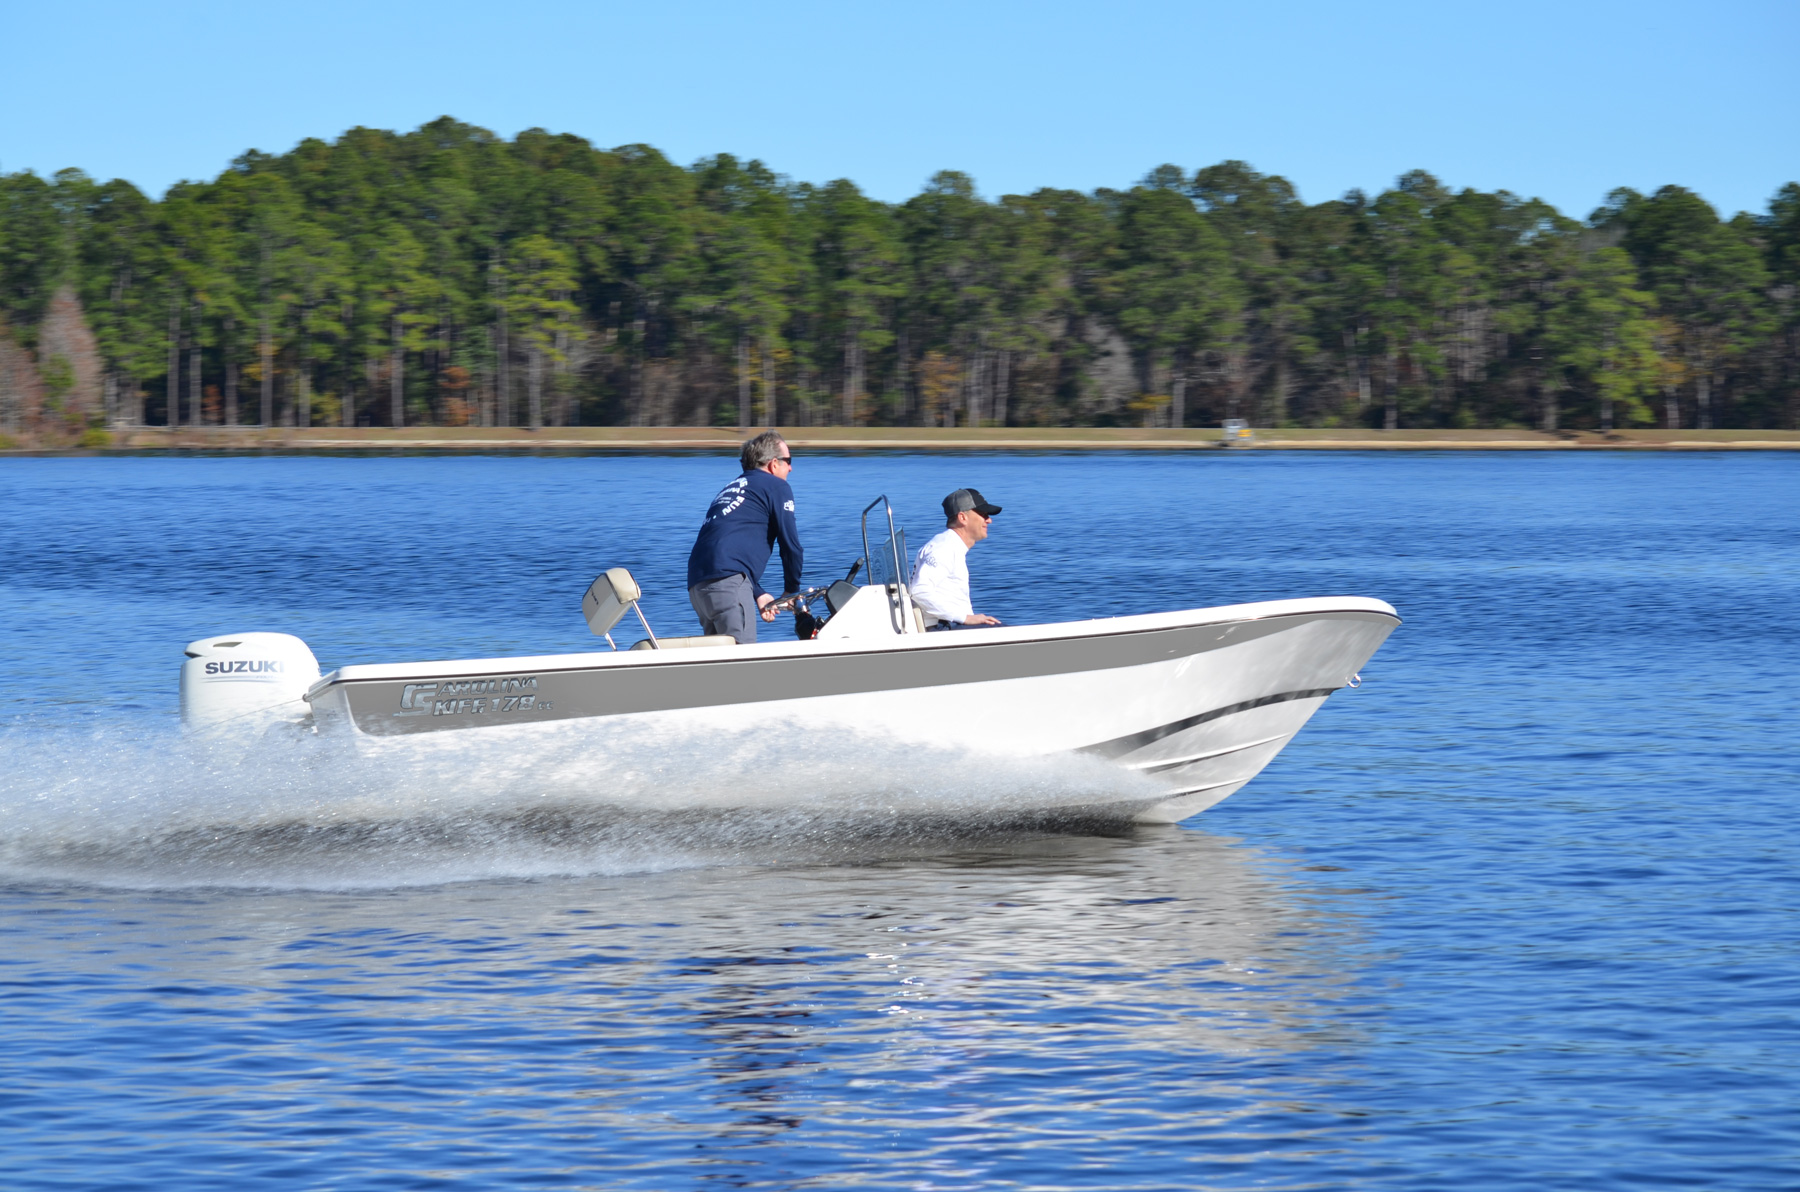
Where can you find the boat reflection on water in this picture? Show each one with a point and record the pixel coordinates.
(1155, 969)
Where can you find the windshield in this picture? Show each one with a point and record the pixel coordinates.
(884, 545)
(887, 557)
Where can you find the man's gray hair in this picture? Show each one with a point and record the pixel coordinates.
(761, 450)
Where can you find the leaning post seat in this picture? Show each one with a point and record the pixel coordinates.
(686, 643)
(608, 598)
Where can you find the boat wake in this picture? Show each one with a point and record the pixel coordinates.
(160, 809)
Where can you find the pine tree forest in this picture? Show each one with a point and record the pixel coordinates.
(450, 277)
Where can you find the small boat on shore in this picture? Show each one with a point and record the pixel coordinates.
(1198, 701)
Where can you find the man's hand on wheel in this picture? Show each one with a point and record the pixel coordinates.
(771, 605)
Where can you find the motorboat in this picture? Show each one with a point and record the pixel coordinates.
(1196, 702)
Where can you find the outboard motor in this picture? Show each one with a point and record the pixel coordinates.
(248, 678)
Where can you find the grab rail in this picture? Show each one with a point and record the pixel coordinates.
(899, 602)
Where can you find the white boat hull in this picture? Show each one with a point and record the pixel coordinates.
(1198, 702)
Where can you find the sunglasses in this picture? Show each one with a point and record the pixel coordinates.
(785, 459)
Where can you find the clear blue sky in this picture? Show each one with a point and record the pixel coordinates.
(1560, 100)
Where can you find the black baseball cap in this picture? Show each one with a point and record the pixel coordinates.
(964, 499)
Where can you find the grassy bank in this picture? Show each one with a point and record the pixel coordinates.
(466, 439)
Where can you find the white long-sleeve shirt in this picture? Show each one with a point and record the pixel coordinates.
(940, 579)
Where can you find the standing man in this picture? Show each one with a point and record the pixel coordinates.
(748, 517)
(940, 578)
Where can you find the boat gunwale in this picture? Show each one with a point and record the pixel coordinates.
(1005, 635)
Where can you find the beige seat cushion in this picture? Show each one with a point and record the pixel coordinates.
(687, 643)
(609, 598)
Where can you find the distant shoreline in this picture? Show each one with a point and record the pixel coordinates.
(608, 439)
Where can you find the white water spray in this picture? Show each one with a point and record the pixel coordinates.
(153, 808)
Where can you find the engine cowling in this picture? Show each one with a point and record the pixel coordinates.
(247, 678)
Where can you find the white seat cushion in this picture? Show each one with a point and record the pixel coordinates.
(687, 643)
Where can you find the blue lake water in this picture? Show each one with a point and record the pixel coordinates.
(1518, 913)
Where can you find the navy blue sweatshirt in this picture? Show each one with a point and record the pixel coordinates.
(743, 524)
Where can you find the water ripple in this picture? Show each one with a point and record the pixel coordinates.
(1516, 914)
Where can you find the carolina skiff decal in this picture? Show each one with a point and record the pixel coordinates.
(472, 697)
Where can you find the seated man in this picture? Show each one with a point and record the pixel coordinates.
(940, 578)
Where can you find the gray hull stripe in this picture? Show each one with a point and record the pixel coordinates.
(1120, 746)
(580, 693)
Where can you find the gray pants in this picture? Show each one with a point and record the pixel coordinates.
(726, 606)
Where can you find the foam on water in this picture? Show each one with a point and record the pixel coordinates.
(153, 807)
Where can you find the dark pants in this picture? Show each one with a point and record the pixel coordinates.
(726, 606)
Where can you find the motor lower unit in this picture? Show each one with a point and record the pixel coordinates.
(246, 678)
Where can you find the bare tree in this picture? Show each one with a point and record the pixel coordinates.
(503, 355)
(769, 410)
(195, 414)
(266, 355)
(231, 372)
(743, 371)
(173, 417)
(853, 375)
(534, 387)
(396, 374)
(1391, 420)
